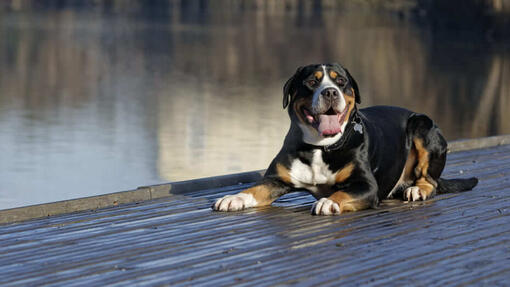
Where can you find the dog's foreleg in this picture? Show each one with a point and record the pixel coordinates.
(261, 194)
(360, 193)
(340, 202)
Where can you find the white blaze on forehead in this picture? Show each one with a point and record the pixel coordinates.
(326, 82)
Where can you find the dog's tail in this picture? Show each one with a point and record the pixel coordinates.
(455, 185)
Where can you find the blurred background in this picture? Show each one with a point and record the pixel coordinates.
(108, 95)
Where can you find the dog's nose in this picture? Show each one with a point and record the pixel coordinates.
(329, 93)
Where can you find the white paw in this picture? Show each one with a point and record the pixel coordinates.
(325, 206)
(414, 193)
(235, 202)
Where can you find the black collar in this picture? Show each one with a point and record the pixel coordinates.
(354, 125)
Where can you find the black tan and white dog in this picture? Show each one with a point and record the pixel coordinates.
(349, 159)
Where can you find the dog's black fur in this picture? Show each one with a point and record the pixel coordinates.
(381, 152)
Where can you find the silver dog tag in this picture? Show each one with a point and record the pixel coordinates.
(358, 128)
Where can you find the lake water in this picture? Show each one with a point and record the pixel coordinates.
(99, 100)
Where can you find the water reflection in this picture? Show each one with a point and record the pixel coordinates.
(95, 101)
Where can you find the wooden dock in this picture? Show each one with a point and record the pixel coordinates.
(453, 239)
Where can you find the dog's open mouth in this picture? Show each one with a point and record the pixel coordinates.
(327, 124)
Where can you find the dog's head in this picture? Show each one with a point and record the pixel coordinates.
(320, 100)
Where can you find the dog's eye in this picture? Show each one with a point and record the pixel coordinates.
(340, 81)
(311, 83)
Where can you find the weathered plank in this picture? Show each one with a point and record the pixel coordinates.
(454, 239)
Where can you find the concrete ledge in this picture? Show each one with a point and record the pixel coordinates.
(140, 194)
(478, 143)
(182, 187)
(81, 204)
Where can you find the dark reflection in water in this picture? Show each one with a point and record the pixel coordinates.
(97, 100)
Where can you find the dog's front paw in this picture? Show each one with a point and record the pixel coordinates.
(414, 193)
(325, 206)
(235, 202)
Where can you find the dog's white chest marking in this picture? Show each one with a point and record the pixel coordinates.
(309, 176)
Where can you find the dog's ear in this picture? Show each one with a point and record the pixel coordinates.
(290, 87)
(354, 86)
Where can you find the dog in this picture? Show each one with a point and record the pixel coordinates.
(349, 159)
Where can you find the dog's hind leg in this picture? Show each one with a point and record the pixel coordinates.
(429, 147)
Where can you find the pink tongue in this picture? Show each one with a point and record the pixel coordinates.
(329, 125)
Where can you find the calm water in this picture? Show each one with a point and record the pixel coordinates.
(96, 101)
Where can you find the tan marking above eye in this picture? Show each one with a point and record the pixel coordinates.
(318, 75)
(333, 74)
